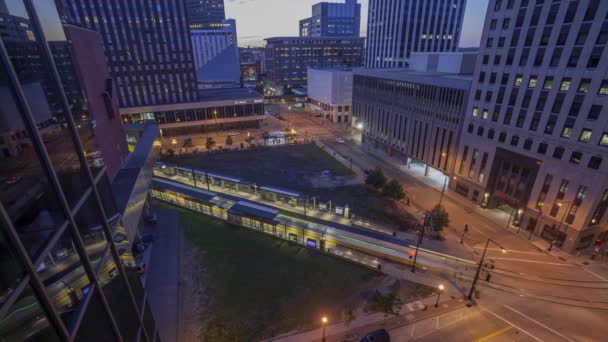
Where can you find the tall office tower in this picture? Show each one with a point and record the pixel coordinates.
(396, 28)
(216, 56)
(288, 58)
(205, 14)
(536, 136)
(147, 46)
(68, 271)
(333, 20)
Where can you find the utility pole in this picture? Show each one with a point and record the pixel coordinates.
(464, 231)
(481, 265)
(445, 181)
(420, 236)
(207, 179)
(194, 177)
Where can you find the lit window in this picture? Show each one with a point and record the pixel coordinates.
(604, 88)
(584, 86)
(565, 84)
(548, 83)
(604, 140)
(585, 135)
(475, 111)
(532, 82)
(485, 114)
(518, 80)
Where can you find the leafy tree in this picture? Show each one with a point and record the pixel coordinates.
(376, 179)
(188, 144)
(347, 316)
(439, 219)
(209, 143)
(394, 190)
(388, 304)
(229, 141)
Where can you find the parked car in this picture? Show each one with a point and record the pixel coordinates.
(299, 105)
(233, 133)
(340, 140)
(377, 336)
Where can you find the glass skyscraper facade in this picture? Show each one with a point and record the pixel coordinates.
(69, 272)
(333, 20)
(205, 14)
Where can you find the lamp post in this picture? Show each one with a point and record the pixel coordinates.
(445, 182)
(560, 204)
(481, 264)
(324, 323)
(440, 289)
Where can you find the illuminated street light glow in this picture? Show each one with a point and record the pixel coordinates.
(360, 125)
(324, 320)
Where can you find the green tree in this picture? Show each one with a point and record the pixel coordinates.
(376, 179)
(394, 190)
(388, 304)
(209, 143)
(229, 141)
(347, 316)
(287, 90)
(188, 144)
(439, 219)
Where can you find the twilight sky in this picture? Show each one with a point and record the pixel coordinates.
(259, 19)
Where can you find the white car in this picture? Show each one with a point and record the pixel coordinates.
(340, 140)
(233, 133)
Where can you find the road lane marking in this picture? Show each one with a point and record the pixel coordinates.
(511, 251)
(539, 323)
(595, 274)
(532, 261)
(515, 326)
(494, 334)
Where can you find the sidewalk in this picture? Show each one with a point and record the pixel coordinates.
(365, 323)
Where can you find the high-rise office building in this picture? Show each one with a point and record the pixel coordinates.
(288, 58)
(536, 138)
(333, 20)
(205, 14)
(67, 222)
(396, 28)
(147, 46)
(216, 56)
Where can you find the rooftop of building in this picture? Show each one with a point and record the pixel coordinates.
(224, 94)
(426, 77)
(332, 69)
(126, 178)
(312, 38)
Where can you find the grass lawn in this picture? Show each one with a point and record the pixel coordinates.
(261, 287)
(282, 166)
(367, 203)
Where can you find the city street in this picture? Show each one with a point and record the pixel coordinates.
(546, 294)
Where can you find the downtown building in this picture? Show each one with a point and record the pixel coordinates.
(536, 129)
(205, 14)
(416, 114)
(71, 201)
(333, 20)
(149, 50)
(287, 59)
(396, 28)
(331, 92)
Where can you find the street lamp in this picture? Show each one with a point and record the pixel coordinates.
(440, 289)
(324, 323)
(445, 182)
(481, 264)
(560, 204)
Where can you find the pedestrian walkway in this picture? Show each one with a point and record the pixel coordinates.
(365, 323)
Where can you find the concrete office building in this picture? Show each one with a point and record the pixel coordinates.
(331, 91)
(416, 113)
(216, 56)
(205, 14)
(536, 139)
(288, 58)
(66, 233)
(396, 28)
(333, 20)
